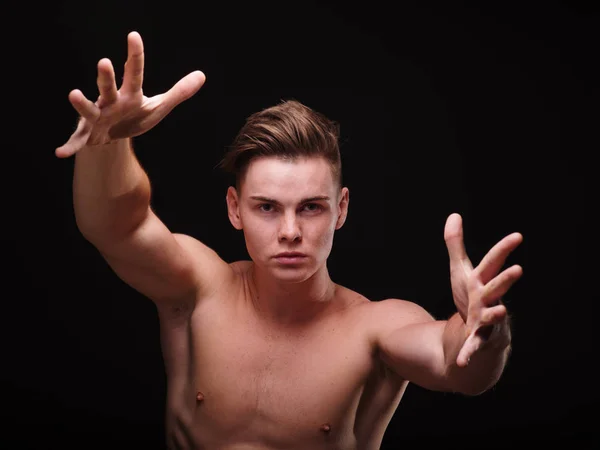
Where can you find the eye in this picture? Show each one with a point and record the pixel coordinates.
(312, 207)
(265, 207)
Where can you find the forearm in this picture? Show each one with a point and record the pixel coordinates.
(485, 366)
(111, 191)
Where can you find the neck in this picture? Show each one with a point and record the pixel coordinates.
(289, 303)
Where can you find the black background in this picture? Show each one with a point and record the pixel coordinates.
(489, 111)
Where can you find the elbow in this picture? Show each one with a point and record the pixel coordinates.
(472, 382)
(473, 387)
(481, 374)
(113, 222)
(473, 390)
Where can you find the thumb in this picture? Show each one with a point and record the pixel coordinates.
(183, 89)
(453, 235)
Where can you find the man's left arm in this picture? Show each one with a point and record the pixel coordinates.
(468, 352)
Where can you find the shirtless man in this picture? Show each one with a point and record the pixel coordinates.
(271, 353)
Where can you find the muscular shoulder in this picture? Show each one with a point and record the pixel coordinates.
(398, 311)
(381, 317)
(401, 311)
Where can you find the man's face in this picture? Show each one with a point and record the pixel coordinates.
(288, 206)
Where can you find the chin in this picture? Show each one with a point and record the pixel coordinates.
(291, 275)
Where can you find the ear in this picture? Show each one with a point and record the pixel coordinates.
(233, 208)
(342, 208)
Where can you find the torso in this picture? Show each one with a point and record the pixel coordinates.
(234, 383)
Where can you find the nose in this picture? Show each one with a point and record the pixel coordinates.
(289, 229)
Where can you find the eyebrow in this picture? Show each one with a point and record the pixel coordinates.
(304, 200)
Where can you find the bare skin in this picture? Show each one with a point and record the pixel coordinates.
(314, 385)
(271, 353)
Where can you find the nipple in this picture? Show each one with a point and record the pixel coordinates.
(326, 428)
(199, 396)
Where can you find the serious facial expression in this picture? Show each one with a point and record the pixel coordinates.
(288, 211)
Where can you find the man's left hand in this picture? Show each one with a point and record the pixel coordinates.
(478, 291)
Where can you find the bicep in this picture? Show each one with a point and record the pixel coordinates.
(165, 266)
(409, 342)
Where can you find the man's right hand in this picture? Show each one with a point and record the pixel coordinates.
(127, 112)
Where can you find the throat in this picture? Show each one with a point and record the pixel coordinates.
(289, 303)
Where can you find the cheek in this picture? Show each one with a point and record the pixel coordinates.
(324, 232)
(328, 237)
(258, 232)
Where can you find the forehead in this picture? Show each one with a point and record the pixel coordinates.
(288, 178)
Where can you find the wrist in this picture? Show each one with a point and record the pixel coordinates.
(114, 144)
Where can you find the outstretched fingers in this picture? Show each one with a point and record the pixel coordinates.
(77, 140)
(89, 113)
(133, 76)
(491, 316)
(107, 86)
(86, 108)
(499, 285)
(471, 345)
(493, 261)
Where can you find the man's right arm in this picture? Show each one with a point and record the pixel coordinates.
(111, 191)
(111, 196)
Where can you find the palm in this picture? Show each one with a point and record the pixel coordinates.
(129, 116)
(124, 113)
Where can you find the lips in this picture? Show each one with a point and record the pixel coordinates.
(290, 257)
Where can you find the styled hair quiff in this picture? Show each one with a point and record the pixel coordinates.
(288, 130)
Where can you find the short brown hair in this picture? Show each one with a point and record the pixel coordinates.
(288, 130)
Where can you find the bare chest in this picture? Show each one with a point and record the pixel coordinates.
(276, 385)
